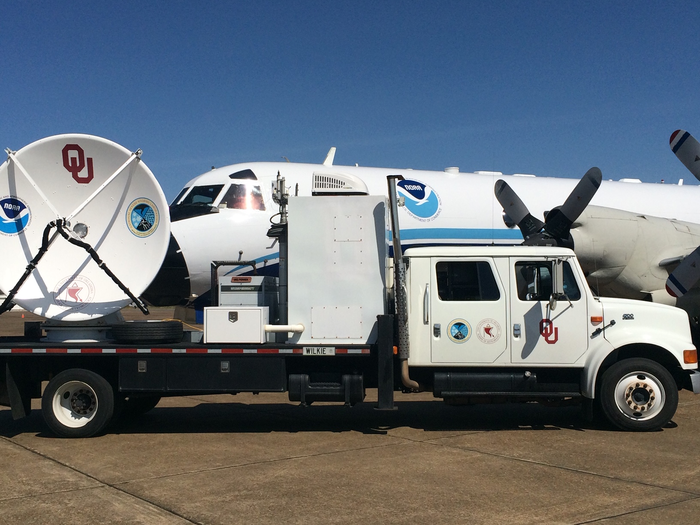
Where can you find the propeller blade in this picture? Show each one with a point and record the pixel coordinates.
(516, 209)
(687, 149)
(558, 221)
(685, 275)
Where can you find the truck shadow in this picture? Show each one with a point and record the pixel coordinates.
(428, 416)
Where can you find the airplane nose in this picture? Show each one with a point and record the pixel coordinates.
(171, 285)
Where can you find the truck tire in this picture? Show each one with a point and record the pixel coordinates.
(638, 394)
(77, 403)
(147, 332)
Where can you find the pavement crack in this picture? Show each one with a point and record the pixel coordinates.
(561, 467)
(637, 511)
(97, 480)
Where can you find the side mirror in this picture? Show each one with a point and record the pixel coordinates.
(557, 282)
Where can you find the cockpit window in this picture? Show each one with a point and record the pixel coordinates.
(203, 194)
(244, 174)
(179, 195)
(243, 197)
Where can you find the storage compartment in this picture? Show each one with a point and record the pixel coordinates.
(227, 324)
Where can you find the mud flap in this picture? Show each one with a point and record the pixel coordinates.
(15, 390)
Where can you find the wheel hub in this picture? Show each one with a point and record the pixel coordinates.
(640, 396)
(82, 401)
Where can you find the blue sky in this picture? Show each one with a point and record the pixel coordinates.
(550, 88)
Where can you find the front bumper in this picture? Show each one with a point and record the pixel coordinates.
(694, 376)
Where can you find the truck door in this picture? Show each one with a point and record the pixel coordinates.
(541, 335)
(467, 312)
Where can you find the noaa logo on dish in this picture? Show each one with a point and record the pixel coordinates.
(15, 215)
(459, 331)
(142, 217)
(421, 200)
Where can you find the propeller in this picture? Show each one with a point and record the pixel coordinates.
(687, 149)
(557, 224)
(682, 279)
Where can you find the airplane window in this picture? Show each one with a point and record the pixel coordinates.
(244, 174)
(243, 197)
(466, 281)
(203, 194)
(179, 195)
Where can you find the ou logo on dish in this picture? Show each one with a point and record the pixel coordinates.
(74, 162)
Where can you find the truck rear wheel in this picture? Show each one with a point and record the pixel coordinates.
(638, 394)
(77, 403)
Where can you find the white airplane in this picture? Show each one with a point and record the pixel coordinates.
(628, 240)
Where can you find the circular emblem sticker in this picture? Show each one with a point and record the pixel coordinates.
(14, 215)
(142, 217)
(488, 331)
(459, 331)
(420, 199)
(74, 292)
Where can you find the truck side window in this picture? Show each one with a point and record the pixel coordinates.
(466, 281)
(534, 281)
(571, 288)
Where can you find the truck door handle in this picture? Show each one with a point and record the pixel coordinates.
(516, 330)
(436, 330)
(426, 303)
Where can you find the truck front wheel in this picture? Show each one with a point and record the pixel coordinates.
(77, 403)
(638, 394)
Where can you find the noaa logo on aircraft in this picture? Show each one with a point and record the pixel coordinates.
(15, 215)
(420, 199)
(142, 217)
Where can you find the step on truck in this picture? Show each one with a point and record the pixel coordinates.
(470, 324)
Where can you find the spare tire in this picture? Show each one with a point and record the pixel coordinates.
(147, 332)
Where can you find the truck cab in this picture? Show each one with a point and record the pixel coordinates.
(521, 322)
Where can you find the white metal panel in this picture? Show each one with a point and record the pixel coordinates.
(337, 258)
(226, 324)
(336, 322)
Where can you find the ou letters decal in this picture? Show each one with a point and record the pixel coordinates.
(74, 162)
(549, 331)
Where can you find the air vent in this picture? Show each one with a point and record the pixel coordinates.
(338, 184)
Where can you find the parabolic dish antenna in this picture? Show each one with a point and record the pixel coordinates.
(61, 196)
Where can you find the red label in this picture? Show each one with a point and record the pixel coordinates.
(549, 331)
(74, 162)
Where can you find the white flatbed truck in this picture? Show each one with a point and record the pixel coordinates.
(473, 324)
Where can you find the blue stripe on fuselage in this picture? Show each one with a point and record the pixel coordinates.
(429, 234)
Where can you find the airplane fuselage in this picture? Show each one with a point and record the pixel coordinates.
(223, 215)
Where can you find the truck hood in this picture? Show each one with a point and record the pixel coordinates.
(641, 321)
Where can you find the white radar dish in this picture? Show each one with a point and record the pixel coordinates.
(63, 195)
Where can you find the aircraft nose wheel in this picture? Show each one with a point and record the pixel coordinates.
(638, 394)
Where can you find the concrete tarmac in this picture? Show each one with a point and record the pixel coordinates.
(261, 459)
